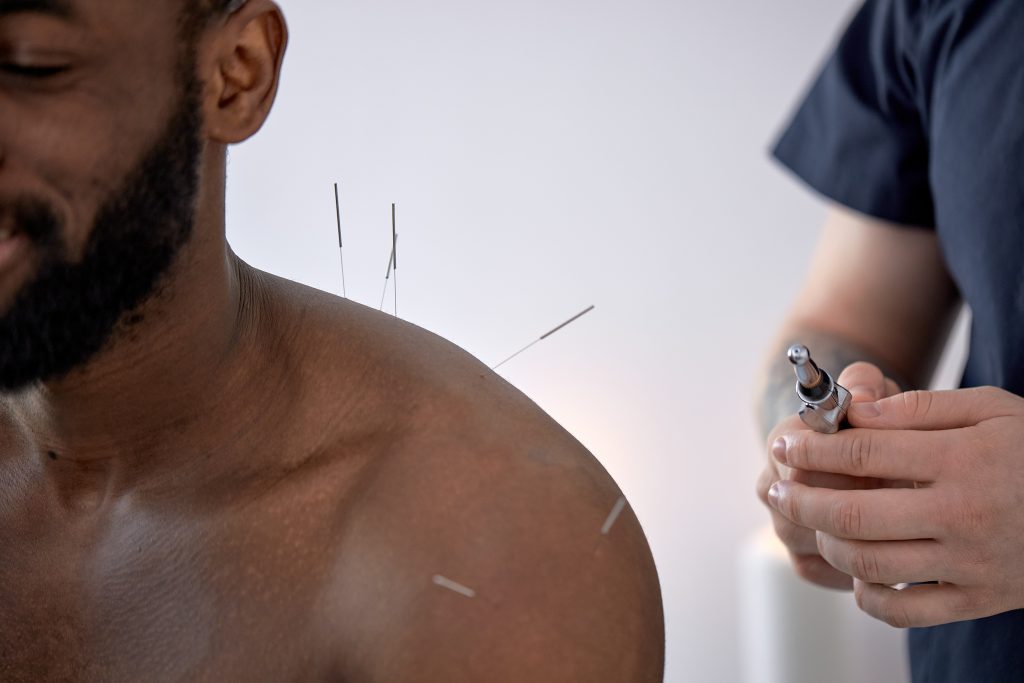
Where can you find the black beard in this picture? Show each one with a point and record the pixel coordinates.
(70, 310)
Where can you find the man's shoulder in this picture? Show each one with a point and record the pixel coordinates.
(493, 546)
(387, 374)
(479, 523)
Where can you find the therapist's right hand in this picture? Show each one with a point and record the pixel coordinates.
(866, 382)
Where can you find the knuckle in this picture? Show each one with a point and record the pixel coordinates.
(977, 561)
(865, 565)
(917, 403)
(847, 518)
(857, 453)
(964, 518)
(896, 615)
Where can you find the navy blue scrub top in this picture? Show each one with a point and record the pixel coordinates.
(918, 118)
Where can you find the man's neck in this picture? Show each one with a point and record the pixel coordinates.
(157, 398)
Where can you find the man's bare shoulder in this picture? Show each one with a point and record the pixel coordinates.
(484, 542)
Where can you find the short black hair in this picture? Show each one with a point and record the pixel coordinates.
(210, 8)
(196, 15)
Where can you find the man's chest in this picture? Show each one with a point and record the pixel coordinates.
(150, 600)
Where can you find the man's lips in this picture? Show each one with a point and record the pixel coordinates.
(8, 229)
(12, 242)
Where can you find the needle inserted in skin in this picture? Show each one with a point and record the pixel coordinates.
(394, 256)
(392, 265)
(341, 249)
(614, 515)
(454, 586)
(387, 277)
(545, 336)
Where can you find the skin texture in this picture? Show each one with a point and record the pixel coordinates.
(256, 480)
(924, 486)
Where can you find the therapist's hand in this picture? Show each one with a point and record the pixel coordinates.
(866, 383)
(963, 526)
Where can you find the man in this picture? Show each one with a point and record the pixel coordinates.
(915, 125)
(210, 473)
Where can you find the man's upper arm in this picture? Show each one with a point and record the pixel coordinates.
(883, 287)
(568, 605)
(511, 560)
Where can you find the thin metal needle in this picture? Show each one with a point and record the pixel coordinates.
(570, 321)
(391, 259)
(394, 255)
(545, 336)
(341, 248)
(613, 516)
(392, 265)
(454, 586)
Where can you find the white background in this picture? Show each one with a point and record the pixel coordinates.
(546, 155)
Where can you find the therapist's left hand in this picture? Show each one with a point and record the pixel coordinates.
(963, 524)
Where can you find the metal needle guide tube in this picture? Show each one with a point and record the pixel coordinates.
(825, 401)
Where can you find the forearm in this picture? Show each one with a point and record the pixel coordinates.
(777, 399)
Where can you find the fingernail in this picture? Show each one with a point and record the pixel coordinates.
(864, 392)
(779, 450)
(773, 494)
(865, 409)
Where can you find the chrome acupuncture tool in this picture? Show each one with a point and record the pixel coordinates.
(825, 401)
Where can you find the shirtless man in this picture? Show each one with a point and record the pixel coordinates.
(211, 473)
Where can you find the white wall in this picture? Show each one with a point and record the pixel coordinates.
(550, 154)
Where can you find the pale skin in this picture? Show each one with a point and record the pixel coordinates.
(925, 486)
(261, 481)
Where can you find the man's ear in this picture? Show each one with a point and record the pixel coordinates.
(243, 67)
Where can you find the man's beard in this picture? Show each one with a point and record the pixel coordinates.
(69, 311)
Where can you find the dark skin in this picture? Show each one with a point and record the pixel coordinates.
(260, 481)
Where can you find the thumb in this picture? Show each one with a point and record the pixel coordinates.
(865, 381)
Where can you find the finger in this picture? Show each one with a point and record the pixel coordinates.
(885, 562)
(815, 569)
(931, 410)
(884, 454)
(765, 480)
(798, 540)
(891, 388)
(877, 515)
(864, 381)
(831, 480)
(916, 606)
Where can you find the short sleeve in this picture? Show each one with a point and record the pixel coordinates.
(859, 136)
